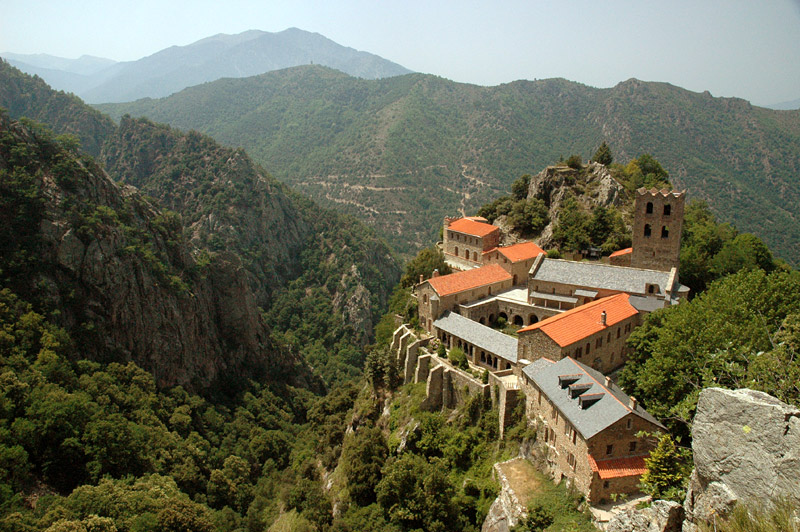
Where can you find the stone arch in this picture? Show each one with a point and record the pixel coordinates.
(494, 363)
(482, 321)
(503, 315)
(533, 318)
(518, 320)
(483, 356)
(491, 318)
(508, 365)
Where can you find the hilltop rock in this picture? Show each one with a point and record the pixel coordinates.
(592, 185)
(660, 516)
(746, 449)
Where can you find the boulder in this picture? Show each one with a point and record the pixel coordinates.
(746, 449)
(660, 516)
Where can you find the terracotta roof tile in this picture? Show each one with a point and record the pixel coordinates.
(471, 227)
(621, 252)
(469, 279)
(578, 323)
(518, 252)
(618, 467)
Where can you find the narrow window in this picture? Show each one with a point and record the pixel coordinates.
(664, 232)
(618, 331)
(647, 230)
(649, 209)
(599, 342)
(632, 447)
(588, 345)
(609, 449)
(574, 436)
(630, 423)
(605, 484)
(667, 209)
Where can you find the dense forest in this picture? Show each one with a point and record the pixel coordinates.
(383, 149)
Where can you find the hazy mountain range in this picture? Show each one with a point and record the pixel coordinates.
(403, 152)
(98, 80)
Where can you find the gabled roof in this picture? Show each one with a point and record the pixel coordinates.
(621, 252)
(480, 336)
(592, 417)
(605, 276)
(618, 467)
(471, 227)
(467, 280)
(580, 322)
(518, 252)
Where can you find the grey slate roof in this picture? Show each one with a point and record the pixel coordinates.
(597, 275)
(592, 419)
(554, 297)
(480, 336)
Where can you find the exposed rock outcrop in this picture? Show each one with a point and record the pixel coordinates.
(746, 449)
(593, 185)
(660, 516)
(114, 270)
(506, 510)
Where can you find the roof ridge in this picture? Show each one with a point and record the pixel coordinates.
(596, 264)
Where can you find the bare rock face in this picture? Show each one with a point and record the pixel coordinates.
(746, 449)
(661, 516)
(506, 510)
(593, 185)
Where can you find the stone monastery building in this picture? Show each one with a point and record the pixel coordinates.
(574, 318)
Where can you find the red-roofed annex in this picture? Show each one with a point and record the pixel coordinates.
(594, 333)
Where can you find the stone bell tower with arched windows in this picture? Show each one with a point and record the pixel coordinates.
(657, 225)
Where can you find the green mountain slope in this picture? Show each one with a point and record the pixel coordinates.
(402, 152)
(321, 278)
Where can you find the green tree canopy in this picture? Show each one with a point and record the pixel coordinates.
(603, 155)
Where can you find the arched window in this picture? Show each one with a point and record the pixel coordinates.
(532, 319)
(649, 209)
(664, 232)
(456, 251)
(667, 209)
(466, 254)
(475, 256)
(425, 298)
(647, 230)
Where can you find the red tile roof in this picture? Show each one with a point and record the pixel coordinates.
(618, 467)
(469, 279)
(621, 252)
(471, 227)
(578, 323)
(519, 252)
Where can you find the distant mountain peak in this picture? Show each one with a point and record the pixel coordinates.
(172, 69)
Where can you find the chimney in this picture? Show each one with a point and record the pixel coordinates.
(603, 316)
(436, 273)
(608, 382)
(421, 278)
(632, 402)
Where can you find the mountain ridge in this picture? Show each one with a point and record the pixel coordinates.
(380, 149)
(218, 56)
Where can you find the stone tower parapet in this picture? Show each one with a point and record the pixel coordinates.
(657, 227)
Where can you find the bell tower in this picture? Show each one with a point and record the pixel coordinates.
(657, 226)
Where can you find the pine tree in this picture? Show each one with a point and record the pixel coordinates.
(603, 155)
(665, 477)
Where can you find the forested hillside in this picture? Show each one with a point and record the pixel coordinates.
(330, 273)
(400, 153)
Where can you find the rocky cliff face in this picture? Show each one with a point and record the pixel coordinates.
(746, 449)
(114, 270)
(592, 186)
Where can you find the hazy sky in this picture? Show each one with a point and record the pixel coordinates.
(744, 48)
